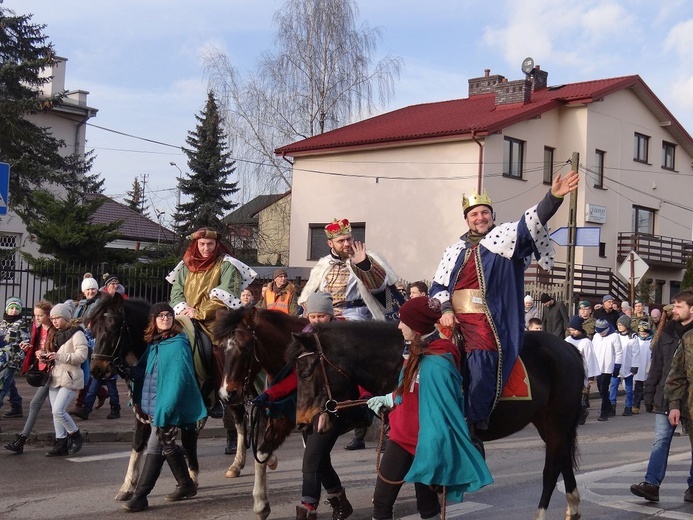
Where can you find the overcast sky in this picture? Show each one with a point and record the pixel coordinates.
(140, 60)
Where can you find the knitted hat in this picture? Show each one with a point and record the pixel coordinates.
(625, 321)
(575, 323)
(625, 306)
(420, 314)
(606, 298)
(529, 299)
(14, 302)
(601, 325)
(160, 307)
(89, 282)
(545, 298)
(584, 304)
(279, 271)
(110, 278)
(319, 303)
(64, 310)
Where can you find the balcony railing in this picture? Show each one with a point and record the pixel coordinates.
(655, 250)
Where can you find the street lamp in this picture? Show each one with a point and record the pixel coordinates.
(180, 175)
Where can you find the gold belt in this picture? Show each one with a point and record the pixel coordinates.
(467, 301)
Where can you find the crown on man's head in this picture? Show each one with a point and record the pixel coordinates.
(475, 200)
(337, 227)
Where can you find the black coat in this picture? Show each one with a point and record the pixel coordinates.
(660, 365)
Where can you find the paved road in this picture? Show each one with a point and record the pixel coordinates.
(613, 456)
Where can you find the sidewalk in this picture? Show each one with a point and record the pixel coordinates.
(96, 429)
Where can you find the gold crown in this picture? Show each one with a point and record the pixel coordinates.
(337, 227)
(475, 199)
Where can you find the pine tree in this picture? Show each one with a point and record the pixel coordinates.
(687, 281)
(210, 164)
(137, 200)
(63, 229)
(32, 152)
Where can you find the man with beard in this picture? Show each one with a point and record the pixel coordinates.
(353, 276)
(663, 349)
(280, 294)
(480, 284)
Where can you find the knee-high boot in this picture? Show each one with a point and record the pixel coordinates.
(185, 487)
(145, 484)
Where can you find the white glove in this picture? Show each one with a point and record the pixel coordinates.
(377, 402)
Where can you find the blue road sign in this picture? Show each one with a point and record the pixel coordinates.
(584, 236)
(4, 186)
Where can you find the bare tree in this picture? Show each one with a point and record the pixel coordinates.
(319, 77)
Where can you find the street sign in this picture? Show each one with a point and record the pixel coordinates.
(4, 186)
(584, 236)
(639, 268)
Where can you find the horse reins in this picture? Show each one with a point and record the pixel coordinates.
(123, 327)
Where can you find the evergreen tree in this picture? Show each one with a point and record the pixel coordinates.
(32, 152)
(210, 165)
(687, 281)
(137, 200)
(63, 229)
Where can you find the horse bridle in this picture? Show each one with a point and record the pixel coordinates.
(331, 405)
(113, 357)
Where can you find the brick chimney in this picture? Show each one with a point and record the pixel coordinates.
(485, 84)
(511, 92)
(539, 78)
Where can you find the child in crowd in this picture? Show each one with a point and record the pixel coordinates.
(534, 324)
(644, 340)
(14, 329)
(578, 336)
(625, 335)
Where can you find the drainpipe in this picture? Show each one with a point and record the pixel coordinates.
(481, 161)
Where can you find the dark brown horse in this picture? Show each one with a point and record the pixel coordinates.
(254, 340)
(118, 326)
(370, 354)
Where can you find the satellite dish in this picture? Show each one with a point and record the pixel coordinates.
(528, 65)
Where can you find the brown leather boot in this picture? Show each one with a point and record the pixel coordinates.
(341, 508)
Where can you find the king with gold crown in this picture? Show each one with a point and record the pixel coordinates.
(480, 285)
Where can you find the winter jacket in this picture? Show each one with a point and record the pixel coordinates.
(678, 389)
(71, 354)
(662, 356)
(555, 319)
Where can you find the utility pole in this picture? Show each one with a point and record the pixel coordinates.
(144, 186)
(572, 232)
(180, 175)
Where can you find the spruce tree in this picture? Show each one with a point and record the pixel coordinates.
(687, 281)
(137, 200)
(32, 151)
(210, 164)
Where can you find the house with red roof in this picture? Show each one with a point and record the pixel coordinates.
(400, 176)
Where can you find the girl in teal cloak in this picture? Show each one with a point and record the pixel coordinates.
(166, 393)
(429, 440)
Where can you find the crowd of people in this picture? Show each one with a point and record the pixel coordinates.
(479, 281)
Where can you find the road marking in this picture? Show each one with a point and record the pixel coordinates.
(94, 458)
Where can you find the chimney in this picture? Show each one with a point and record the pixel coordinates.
(539, 79)
(512, 92)
(485, 84)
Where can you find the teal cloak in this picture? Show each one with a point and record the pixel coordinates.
(444, 454)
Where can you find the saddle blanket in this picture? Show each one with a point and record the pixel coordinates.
(517, 388)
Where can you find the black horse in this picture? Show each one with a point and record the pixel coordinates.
(340, 355)
(118, 326)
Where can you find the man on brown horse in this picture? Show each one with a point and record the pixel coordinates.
(206, 280)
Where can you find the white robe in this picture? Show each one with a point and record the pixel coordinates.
(608, 351)
(589, 360)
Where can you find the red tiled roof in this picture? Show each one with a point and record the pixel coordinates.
(135, 225)
(461, 117)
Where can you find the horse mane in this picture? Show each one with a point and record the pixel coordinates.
(228, 320)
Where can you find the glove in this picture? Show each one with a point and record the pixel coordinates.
(377, 402)
(261, 400)
(634, 370)
(617, 370)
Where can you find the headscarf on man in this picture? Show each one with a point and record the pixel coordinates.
(192, 258)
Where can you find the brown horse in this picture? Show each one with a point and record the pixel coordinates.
(370, 354)
(254, 340)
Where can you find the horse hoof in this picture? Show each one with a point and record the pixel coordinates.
(272, 463)
(232, 472)
(123, 496)
(264, 514)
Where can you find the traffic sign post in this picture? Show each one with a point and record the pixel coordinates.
(4, 187)
(633, 269)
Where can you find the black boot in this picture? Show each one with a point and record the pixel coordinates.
(16, 411)
(341, 508)
(18, 445)
(60, 448)
(115, 413)
(627, 411)
(82, 413)
(231, 442)
(150, 474)
(74, 442)
(185, 487)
